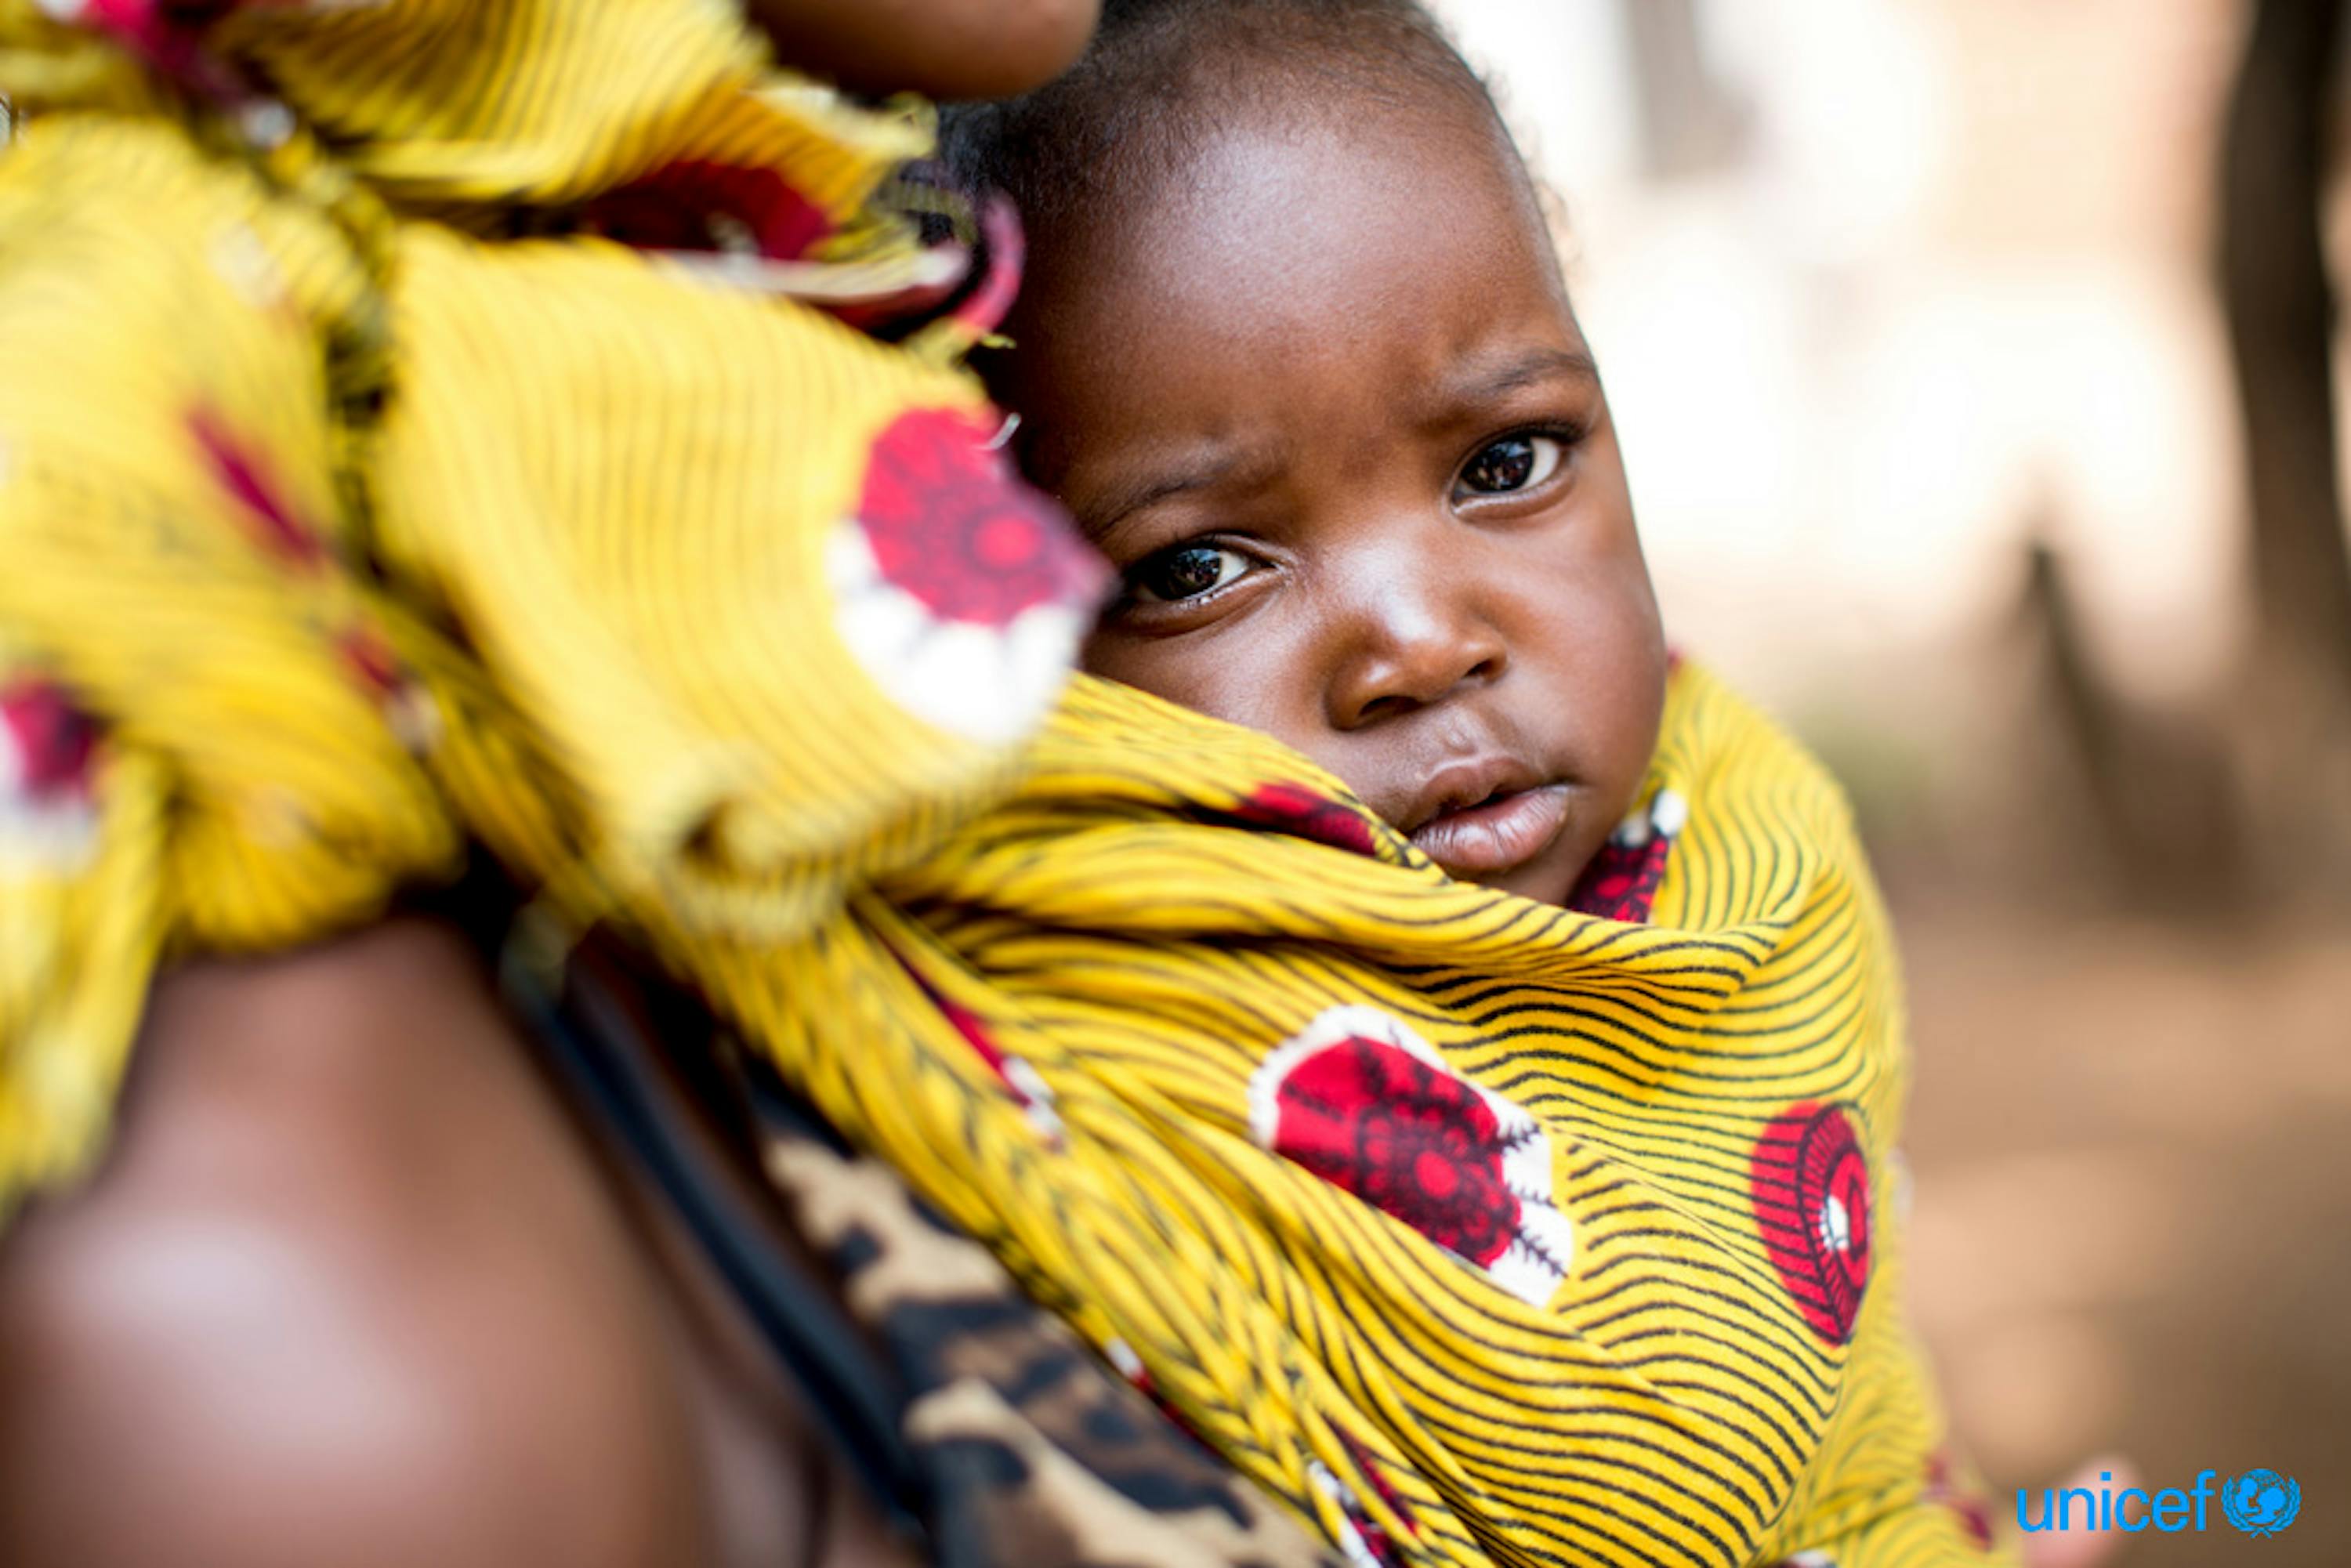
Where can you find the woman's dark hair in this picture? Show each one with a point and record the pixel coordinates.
(1157, 74)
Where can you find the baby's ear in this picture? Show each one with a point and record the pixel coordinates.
(944, 49)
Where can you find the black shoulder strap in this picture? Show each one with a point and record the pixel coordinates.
(604, 1028)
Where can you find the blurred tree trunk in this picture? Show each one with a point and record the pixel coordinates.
(1690, 122)
(2167, 829)
(2280, 317)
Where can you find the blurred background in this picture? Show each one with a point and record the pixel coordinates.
(1975, 367)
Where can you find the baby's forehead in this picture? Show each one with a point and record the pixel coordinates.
(1273, 213)
(1342, 112)
(1169, 132)
(1111, 144)
(1312, 207)
(1316, 288)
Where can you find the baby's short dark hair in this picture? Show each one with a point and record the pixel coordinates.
(1157, 74)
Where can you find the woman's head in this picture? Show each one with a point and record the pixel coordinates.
(1295, 351)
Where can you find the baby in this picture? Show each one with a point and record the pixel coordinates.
(1295, 349)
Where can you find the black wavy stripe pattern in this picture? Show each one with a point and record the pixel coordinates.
(1670, 1404)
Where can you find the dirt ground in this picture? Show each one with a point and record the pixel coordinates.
(2131, 1146)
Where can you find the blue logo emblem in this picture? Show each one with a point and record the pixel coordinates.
(2260, 1503)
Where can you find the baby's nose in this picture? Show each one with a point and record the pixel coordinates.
(1412, 649)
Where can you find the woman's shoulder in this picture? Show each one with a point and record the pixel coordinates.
(347, 1289)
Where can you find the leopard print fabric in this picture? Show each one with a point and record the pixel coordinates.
(1036, 1455)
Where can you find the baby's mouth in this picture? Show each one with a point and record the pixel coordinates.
(1501, 831)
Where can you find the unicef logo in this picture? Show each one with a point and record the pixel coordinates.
(2260, 1503)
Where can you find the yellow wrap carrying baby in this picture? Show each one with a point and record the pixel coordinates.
(347, 518)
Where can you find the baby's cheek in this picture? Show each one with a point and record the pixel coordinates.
(1254, 677)
(1605, 657)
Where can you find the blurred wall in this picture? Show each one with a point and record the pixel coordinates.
(1944, 270)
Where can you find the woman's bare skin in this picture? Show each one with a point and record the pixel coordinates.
(352, 1289)
(944, 49)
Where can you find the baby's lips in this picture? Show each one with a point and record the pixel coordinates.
(1495, 835)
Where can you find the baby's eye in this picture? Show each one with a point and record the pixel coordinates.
(1513, 463)
(1187, 572)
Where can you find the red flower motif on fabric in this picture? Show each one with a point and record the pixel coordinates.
(961, 591)
(1403, 1136)
(168, 37)
(1368, 1106)
(948, 523)
(272, 523)
(1022, 1081)
(1811, 1188)
(48, 813)
(370, 658)
(692, 204)
(46, 743)
(407, 706)
(1307, 814)
(1375, 1537)
(1973, 1512)
(1129, 1365)
(1622, 882)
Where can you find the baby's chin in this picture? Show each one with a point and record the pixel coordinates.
(1543, 883)
(1548, 879)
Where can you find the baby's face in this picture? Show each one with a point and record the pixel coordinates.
(1324, 405)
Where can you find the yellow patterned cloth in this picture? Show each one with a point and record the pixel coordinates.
(357, 502)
